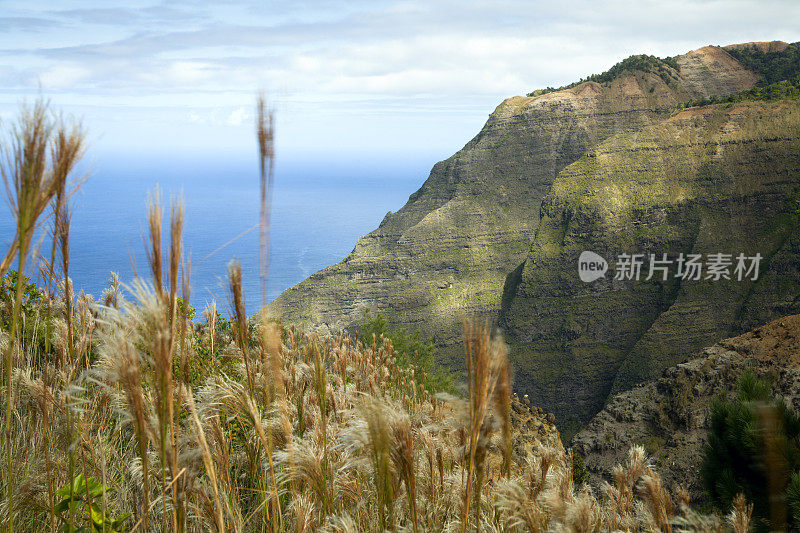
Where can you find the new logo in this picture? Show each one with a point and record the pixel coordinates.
(591, 266)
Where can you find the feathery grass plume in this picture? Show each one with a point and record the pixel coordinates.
(175, 253)
(240, 329)
(310, 471)
(160, 344)
(380, 441)
(208, 462)
(42, 396)
(121, 366)
(31, 182)
(658, 500)
(519, 508)
(210, 314)
(62, 236)
(66, 150)
(340, 524)
(487, 377)
(402, 453)
(111, 294)
(272, 365)
(621, 493)
(186, 322)
(739, 517)
(303, 510)
(265, 134)
(155, 215)
(583, 513)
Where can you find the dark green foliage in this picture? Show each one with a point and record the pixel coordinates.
(31, 297)
(782, 90)
(185, 310)
(579, 475)
(771, 67)
(85, 497)
(635, 63)
(672, 62)
(753, 442)
(35, 322)
(642, 63)
(411, 348)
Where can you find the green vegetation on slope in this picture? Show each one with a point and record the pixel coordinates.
(771, 67)
(781, 90)
(412, 350)
(694, 183)
(639, 62)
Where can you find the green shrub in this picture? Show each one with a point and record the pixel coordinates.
(579, 474)
(411, 348)
(753, 448)
(34, 319)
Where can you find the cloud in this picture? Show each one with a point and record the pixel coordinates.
(340, 59)
(63, 76)
(27, 24)
(238, 117)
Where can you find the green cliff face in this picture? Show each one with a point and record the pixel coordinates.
(602, 165)
(718, 179)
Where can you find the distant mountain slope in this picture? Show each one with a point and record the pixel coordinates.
(669, 416)
(707, 180)
(469, 241)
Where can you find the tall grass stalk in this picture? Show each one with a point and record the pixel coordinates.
(208, 462)
(31, 181)
(210, 314)
(487, 378)
(265, 136)
(162, 347)
(242, 338)
(321, 386)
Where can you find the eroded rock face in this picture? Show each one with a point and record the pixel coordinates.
(532, 430)
(718, 179)
(608, 167)
(670, 415)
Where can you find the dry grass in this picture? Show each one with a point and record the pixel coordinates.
(368, 459)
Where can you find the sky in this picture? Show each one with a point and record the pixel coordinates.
(346, 78)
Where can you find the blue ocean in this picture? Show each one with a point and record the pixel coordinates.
(321, 205)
